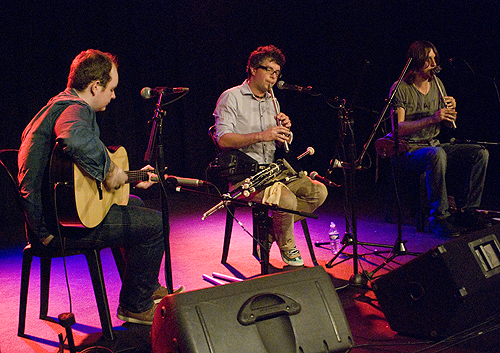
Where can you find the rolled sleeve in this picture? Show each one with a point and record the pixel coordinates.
(225, 115)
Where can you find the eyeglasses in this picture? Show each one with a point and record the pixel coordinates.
(270, 70)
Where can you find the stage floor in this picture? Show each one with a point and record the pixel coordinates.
(196, 249)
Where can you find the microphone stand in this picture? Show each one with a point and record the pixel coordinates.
(351, 238)
(155, 155)
(351, 234)
(399, 247)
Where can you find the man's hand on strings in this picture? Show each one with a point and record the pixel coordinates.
(115, 177)
(151, 180)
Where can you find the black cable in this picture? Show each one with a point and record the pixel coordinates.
(388, 344)
(173, 100)
(101, 349)
(63, 248)
(464, 335)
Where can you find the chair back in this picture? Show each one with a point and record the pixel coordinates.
(211, 134)
(8, 160)
(12, 215)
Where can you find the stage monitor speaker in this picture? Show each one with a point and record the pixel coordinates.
(290, 312)
(452, 287)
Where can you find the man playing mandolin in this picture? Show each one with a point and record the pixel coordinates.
(69, 119)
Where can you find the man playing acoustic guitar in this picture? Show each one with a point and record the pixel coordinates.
(69, 119)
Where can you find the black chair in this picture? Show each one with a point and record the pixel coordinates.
(257, 216)
(8, 169)
(258, 219)
(419, 204)
(414, 194)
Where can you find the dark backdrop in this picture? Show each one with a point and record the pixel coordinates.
(353, 50)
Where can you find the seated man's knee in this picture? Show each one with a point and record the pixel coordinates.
(134, 200)
(321, 193)
(437, 156)
(483, 155)
(288, 199)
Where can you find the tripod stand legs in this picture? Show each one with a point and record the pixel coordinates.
(361, 279)
(399, 249)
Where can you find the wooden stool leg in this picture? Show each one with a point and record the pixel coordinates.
(261, 225)
(307, 235)
(227, 233)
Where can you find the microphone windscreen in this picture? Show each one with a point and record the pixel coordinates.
(280, 84)
(146, 93)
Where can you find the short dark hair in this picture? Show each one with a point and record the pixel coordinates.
(419, 52)
(91, 65)
(260, 54)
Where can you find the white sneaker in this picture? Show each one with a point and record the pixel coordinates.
(292, 257)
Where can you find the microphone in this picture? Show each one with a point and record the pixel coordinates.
(175, 180)
(327, 182)
(454, 141)
(147, 92)
(308, 152)
(244, 189)
(335, 163)
(283, 85)
(213, 210)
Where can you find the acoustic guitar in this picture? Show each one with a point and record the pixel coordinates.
(79, 199)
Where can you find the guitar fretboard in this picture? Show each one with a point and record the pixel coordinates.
(138, 175)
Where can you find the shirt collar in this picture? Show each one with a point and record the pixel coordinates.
(245, 90)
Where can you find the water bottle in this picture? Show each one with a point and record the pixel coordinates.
(334, 238)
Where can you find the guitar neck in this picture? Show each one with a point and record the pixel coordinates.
(137, 175)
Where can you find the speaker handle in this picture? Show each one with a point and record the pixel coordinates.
(266, 306)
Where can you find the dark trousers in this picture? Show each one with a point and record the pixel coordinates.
(456, 168)
(139, 231)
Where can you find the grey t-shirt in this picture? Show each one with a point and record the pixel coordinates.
(418, 106)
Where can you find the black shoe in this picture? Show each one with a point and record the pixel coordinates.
(444, 228)
(472, 220)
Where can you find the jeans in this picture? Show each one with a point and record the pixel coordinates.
(457, 168)
(139, 231)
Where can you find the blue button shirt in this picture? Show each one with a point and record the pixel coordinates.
(239, 111)
(70, 121)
